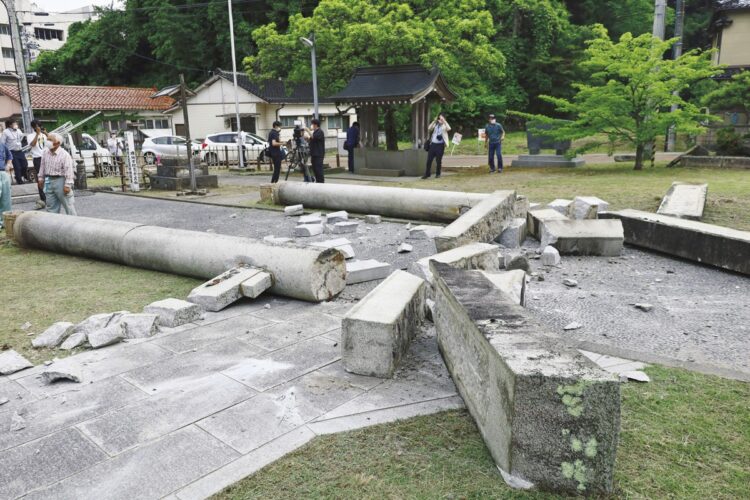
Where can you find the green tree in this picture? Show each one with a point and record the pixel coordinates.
(629, 92)
(455, 35)
(732, 95)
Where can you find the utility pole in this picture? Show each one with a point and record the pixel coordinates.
(23, 83)
(310, 42)
(660, 19)
(240, 145)
(679, 29)
(183, 103)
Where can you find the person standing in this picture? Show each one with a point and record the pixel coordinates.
(6, 163)
(115, 147)
(12, 138)
(438, 131)
(352, 142)
(317, 150)
(37, 141)
(57, 175)
(495, 135)
(274, 150)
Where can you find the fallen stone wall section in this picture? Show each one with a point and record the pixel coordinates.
(482, 224)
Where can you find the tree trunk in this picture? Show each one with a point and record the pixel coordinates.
(391, 137)
(639, 150)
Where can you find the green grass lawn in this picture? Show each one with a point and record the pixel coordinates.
(684, 435)
(42, 288)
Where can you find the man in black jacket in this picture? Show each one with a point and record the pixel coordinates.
(317, 150)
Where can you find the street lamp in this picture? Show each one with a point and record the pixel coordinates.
(310, 42)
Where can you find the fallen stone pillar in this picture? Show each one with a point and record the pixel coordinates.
(474, 256)
(685, 201)
(583, 237)
(697, 241)
(305, 273)
(482, 224)
(536, 217)
(548, 415)
(417, 204)
(377, 331)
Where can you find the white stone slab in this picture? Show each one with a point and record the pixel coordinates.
(140, 326)
(550, 256)
(335, 217)
(685, 201)
(218, 293)
(314, 218)
(294, 210)
(561, 206)
(359, 271)
(512, 283)
(307, 230)
(587, 207)
(344, 227)
(253, 287)
(174, 312)
(584, 237)
(472, 256)
(536, 217)
(110, 334)
(405, 248)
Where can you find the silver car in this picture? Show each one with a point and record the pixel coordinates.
(219, 148)
(168, 146)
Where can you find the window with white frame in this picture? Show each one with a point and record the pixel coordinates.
(48, 34)
(7, 53)
(287, 121)
(334, 122)
(154, 123)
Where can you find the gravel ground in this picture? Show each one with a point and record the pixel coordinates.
(700, 314)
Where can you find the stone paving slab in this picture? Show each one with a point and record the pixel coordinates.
(43, 462)
(150, 471)
(300, 327)
(206, 335)
(17, 395)
(165, 412)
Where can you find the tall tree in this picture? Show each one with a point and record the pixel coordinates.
(629, 92)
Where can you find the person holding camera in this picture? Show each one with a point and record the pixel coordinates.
(317, 150)
(438, 131)
(274, 150)
(37, 141)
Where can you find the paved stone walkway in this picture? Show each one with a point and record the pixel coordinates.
(194, 409)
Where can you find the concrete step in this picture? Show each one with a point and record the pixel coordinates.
(381, 172)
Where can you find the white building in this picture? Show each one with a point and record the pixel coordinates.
(40, 30)
(211, 107)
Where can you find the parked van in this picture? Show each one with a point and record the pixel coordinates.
(86, 150)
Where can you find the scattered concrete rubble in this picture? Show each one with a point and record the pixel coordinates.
(377, 331)
(17, 422)
(341, 244)
(583, 237)
(643, 306)
(140, 325)
(424, 232)
(514, 235)
(550, 256)
(3, 400)
(76, 339)
(336, 217)
(713, 245)
(536, 217)
(307, 230)
(360, 271)
(405, 248)
(54, 335)
(573, 326)
(174, 312)
(561, 206)
(570, 282)
(345, 227)
(294, 210)
(373, 219)
(483, 223)
(11, 362)
(686, 201)
(110, 334)
(473, 256)
(549, 416)
(636, 375)
(516, 260)
(225, 289)
(53, 374)
(314, 218)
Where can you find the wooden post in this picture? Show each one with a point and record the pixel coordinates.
(188, 144)
(97, 166)
(123, 178)
(226, 156)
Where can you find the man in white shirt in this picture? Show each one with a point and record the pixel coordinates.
(37, 141)
(57, 176)
(12, 138)
(115, 146)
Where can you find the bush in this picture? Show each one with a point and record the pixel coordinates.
(730, 143)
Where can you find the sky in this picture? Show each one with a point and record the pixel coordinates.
(63, 5)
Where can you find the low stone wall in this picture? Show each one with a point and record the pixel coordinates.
(715, 161)
(548, 415)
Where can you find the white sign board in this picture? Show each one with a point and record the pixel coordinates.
(457, 138)
(482, 136)
(133, 171)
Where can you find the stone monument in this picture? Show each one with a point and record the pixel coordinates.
(174, 175)
(537, 141)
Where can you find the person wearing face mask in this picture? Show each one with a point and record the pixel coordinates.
(6, 163)
(495, 134)
(274, 150)
(12, 138)
(37, 141)
(438, 131)
(57, 175)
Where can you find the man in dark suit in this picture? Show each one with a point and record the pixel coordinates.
(352, 142)
(317, 150)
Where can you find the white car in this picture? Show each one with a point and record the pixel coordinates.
(168, 146)
(86, 150)
(219, 148)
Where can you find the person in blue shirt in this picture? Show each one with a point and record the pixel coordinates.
(352, 142)
(6, 164)
(495, 134)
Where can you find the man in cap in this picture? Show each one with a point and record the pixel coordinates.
(494, 136)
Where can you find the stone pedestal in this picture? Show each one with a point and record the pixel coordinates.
(177, 178)
(547, 161)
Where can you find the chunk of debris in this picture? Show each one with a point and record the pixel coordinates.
(424, 232)
(373, 219)
(561, 205)
(76, 339)
(98, 321)
(216, 294)
(636, 375)
(253, 287)
(174, 312)
(643, 307)
(233, 216)
(359, 271)
(54, 335)
(314, 218)
(335, 217)
(307, 230)
(569, 282)
(550, 256)
(572, 326)
(584, 237)
(68, 373)
(511, 283)
(108, 335)
(294, 210)
(514, 235)
(11, 362)
(514, 260)
(17, 422)
(3, 401)
(587, 207)
(140, 326)
(344, 227)
(405, 248)
(276, 241)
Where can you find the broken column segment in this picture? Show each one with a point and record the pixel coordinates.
(584, 237)
(697, 241)
(473, 256)
(377, 331)
(305, 273)
(482, 224)
(685, 201)
(548, 415)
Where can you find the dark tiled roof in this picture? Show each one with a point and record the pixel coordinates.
(396, 83)
(732, 4)
(89, 98)
(274, 91)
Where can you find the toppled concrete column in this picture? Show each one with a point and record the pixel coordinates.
(474, 256)
(305, 273)
(417, 204)
(537, 216)
(548, 415)
(584, 237)
(685, 201)
(483, 223)
(705, 243)
(377, 331)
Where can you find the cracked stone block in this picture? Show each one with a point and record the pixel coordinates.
(307, 230)
(373, 219)
(54, 335)
(516, 260)
(256, 285)
(294, 210)
(140, 326)
(405, 248)
(359, 271)
(223, 290)
(53, 374)
(536, 217)
(602, 237)
(98, 321)
(520, 207)
(511, 283)
(345, 227)
(473, 256)
(514, 235)
(482, 224)
(377, 331)
(587, 207)
(561, 206)
(550, 256)
(76, 339)
(424, 232)
(11, 362)
(108, 335)
(174, 312)
(336, 217)
(314, 218)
